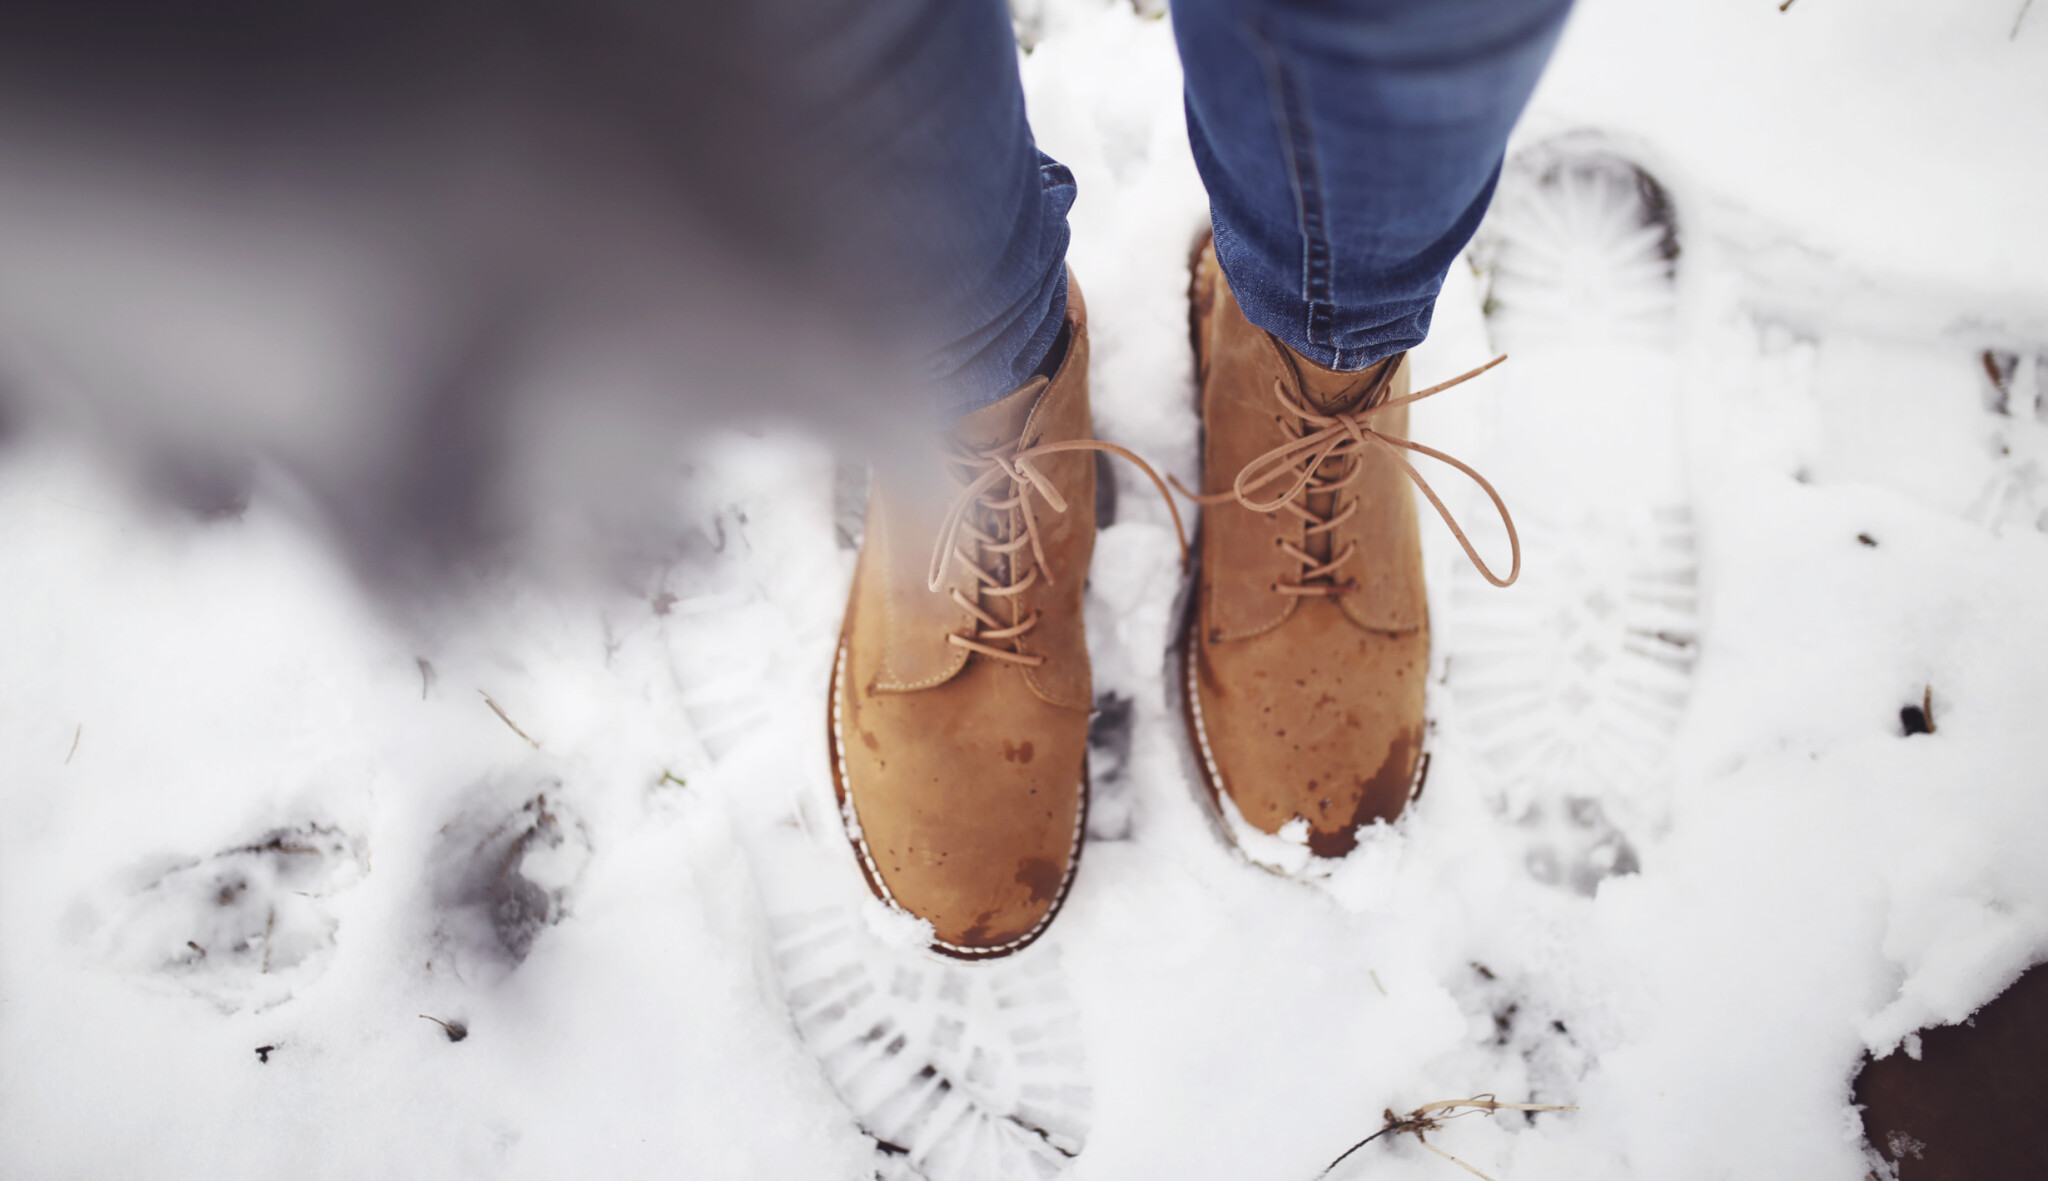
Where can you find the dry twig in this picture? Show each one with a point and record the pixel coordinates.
(1431, 1116)
(507, 719)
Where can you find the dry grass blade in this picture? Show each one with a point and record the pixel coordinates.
(507, 719)
(1431, 1116)
(1454, 1160)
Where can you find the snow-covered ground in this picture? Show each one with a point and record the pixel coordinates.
(549, 885)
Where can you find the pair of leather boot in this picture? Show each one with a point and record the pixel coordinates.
(961, 695)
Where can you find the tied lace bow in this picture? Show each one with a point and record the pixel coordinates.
(999, 483)
(1341, 436)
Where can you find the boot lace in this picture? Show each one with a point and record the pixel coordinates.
(1325, 457)
(991, 521)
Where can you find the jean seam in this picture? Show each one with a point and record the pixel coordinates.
(1304, 174)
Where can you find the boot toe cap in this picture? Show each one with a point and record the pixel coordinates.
(983, 892)
(1335, 746)
(975, 833)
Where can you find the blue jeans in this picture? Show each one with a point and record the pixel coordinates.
(1349, 147)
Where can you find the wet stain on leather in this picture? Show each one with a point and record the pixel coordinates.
(1332, 844)
(973, 935)
(1040, 876)
(1017, 752)
(1380, 796)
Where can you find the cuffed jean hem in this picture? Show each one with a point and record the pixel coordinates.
(1346, 337)
(1350, 149)
(1369, 335)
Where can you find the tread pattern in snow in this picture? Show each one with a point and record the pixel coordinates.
(963, 1072)
(1572, 684)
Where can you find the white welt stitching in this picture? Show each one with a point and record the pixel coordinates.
(1201, 730)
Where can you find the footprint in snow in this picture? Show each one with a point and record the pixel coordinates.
(958, 1072)
(244, 928)
(1571, 684)
(504, 875)
(1522, 1030)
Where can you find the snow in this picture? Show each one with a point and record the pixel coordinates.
(251, 807)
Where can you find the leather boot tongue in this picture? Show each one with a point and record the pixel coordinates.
(1000, 422)
(1332, 392)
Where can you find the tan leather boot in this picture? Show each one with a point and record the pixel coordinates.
(1307, 643)
(961, 695)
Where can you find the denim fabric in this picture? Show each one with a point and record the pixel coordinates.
(908, 118)
(1349, 147)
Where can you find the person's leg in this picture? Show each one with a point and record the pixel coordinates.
(957, 718)
(909, 115)
(1350, 149)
